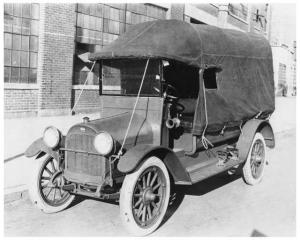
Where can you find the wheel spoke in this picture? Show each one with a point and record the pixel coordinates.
(139, 212)
(149, 211)
(138, 202)
(156, 186)
(153, 179)
(54, 194)
(48, 171)
(45, 178)
(148, 178)
(144, 181)
(52, 165)
(144, 214)
(138, 195)
(60, 193)
(49, 192)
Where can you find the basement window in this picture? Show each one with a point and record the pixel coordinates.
(210, 78)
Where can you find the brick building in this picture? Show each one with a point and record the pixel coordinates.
(46, 46)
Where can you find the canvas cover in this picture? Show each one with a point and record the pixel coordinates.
(245, 86)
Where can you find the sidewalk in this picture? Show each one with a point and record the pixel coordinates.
(20, 133)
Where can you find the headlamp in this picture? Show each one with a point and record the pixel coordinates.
(51, 137)
(104, 143)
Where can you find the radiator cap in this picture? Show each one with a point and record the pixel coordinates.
(86, 119)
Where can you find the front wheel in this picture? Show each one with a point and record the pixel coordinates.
(144, 197)
(45, 186)
(254, 167)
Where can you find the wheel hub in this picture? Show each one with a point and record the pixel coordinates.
(148, 196)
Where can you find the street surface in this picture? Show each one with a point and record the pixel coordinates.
(220, 206)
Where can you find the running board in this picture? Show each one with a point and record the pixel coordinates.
(209, 162)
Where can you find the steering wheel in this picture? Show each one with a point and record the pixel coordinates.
(168, 96)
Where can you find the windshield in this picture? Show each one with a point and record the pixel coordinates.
(123, 77)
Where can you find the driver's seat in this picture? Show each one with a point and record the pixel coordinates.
(187, 117)
(189, 105)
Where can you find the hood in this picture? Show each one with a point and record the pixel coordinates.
(139, 132)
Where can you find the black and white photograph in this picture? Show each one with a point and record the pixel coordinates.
(149, 119)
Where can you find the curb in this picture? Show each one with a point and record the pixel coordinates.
(15, 196)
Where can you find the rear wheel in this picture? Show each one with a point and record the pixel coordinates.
(144, 197)
(45, 186)
(254, 167)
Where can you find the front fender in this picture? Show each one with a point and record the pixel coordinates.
(39, 146)
(247, 135)
(136, 155)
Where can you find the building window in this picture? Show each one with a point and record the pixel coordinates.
(21, 29)
(98, 25)
(238, 9)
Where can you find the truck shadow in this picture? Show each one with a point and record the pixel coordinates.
(178, 193)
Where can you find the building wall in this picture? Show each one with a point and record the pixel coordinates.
(56, 49)
(69, 32)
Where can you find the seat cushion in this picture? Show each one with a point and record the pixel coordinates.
(189, 105)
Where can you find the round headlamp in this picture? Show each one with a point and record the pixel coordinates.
(51, 137)
(104, 143)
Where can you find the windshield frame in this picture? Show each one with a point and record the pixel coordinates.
(160, 94)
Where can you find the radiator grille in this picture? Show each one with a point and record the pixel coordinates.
(83, 163)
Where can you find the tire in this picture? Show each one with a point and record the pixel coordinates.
(43, 186)
(254, 166)
(147, 190)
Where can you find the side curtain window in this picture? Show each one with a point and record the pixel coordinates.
(210, 77)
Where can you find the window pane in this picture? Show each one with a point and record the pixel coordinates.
(25, 26)
(106, 11)
(24, 59)
(16, 42)
(93, 9)
(83, 8)
(7, 40)
(99, 24)
(35, 11)
(8, 21)
(80, 20)
(26, 10)
(25, 43)
(6, 74)
(7, 57)
(92, 22)
(18, 9)
(8, 8)
(99, 10)
(32, 75)
(33, 60)
(105, 25)
(34, 27)
(15, 75)
(24, 75)
(33, 44)
(17, 25)
(15, 56)
(86, 21)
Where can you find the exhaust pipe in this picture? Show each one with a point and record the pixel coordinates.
(172, 123)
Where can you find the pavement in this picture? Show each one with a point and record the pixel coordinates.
(219, 206)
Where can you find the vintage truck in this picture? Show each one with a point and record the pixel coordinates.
(180, 102)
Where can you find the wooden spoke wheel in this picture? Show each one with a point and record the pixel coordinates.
(254, 167)
(144, 197)
(45, 186)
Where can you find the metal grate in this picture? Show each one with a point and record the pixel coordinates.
(83, 163)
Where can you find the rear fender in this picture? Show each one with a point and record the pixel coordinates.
(248, 132)
(133, 158)
(39, 146)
